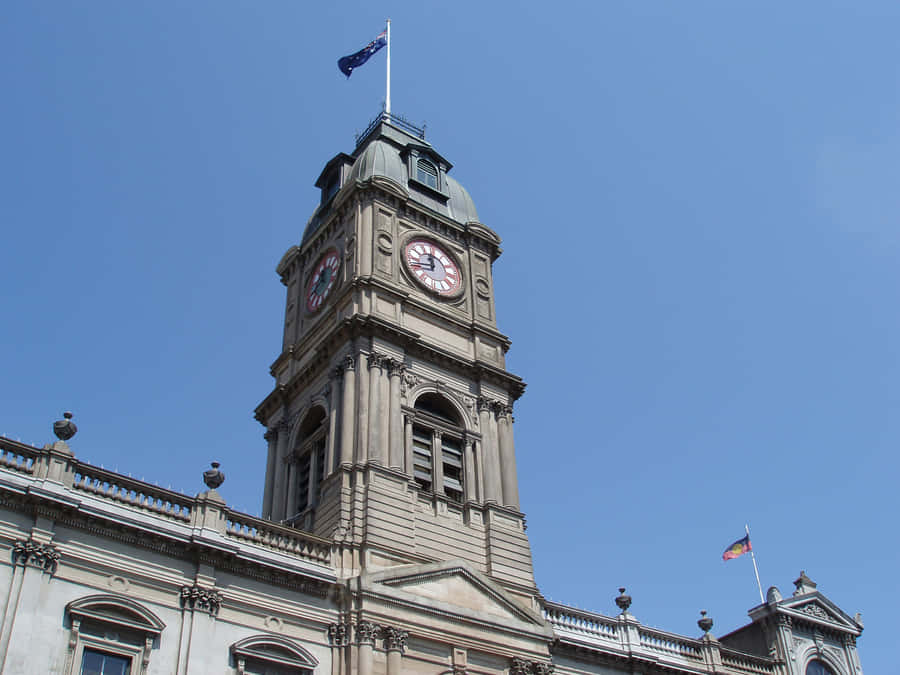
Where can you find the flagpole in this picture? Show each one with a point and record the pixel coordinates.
(755, 568)
(387, 98)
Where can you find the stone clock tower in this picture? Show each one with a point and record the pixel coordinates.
(390, 425)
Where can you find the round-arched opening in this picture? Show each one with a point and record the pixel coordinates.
(311, 423)
(440, 407)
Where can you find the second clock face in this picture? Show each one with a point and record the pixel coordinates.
(433, 267)
(323, 280)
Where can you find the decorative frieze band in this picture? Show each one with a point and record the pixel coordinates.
(203, 599)
(30, 553)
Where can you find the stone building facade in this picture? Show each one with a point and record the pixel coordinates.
(391, 539)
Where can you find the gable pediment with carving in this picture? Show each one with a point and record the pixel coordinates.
(818, 610)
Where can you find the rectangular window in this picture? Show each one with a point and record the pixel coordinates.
(451, 461)
(422, 441)
(94, 662)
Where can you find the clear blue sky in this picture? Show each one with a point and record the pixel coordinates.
(699, 204)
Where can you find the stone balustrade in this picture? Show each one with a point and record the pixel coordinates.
(624, 637)
(17, 456)
(575, 620)
(746, 663)
(132, 492)
(669, 643)
(278, 537)
(206, 512)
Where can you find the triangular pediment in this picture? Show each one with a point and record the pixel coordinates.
(816, 608)
(455, 585)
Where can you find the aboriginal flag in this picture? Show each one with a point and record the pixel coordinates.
(738, 548)
(348, 63)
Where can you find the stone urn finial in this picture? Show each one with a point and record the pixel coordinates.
(213, 477)
(64, 429)
(705, 622)
(623, 601)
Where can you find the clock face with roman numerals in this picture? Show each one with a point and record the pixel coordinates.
(433, 267)
(323, 280)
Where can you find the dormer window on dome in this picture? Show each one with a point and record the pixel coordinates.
(427, 171)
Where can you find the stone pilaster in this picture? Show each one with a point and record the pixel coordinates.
(395, 436)
(348, 411)
(508, 475)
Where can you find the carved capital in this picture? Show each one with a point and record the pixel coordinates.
(270, 435)
(283, 425)
(394, 639)
(785, 621)
(519, 667)
(202, 599)
(29, 553)
(365, 633)
(339, 634)
(396, 368)
(379, 361)
(348, 362)
(541, 668)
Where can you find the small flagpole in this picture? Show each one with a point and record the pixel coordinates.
(387, 97)
(755, 568)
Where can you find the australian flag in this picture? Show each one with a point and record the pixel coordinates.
(348, 63)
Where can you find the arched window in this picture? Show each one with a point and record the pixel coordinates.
(271, 655)
(427, 173)
(438, 442)
(816, 667)
(309, 461)
(110, 635)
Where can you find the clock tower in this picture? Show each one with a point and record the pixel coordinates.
(390, 427)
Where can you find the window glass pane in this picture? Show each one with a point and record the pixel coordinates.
(98, 663)
(426, 173)
(817, 668)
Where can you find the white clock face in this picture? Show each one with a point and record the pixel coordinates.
(433, 267)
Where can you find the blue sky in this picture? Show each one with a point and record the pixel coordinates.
(699, 208)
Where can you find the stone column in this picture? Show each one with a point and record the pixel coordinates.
(362, 412)
(279, 491)
(376, 421)
(395, 435)
(272, 438)
(508, 477)
(490, 456)
(365, 639)
(290, 506)
(394, 644)
(331, 449)
(408, 443)
(437, 465)
(471, 488)
(348, 411)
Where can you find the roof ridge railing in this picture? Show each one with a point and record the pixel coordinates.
(395, 120)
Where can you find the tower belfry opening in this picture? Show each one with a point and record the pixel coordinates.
(390, 423)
